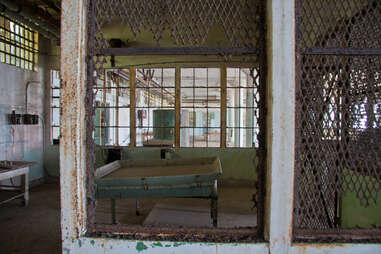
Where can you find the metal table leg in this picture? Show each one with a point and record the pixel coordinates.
(113, 215)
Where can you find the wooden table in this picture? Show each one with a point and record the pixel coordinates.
(16, 169)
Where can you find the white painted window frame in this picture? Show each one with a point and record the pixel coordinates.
(280, 139)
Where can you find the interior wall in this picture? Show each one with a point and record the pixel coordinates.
(51, 158)
(24, 142)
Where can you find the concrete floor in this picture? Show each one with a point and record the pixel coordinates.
(36, 228)
(33, 229)
(231, 200)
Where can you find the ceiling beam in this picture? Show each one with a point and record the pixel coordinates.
(27, 15)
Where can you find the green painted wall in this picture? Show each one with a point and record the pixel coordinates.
(52, 160)
(237, 164)
(353, 214)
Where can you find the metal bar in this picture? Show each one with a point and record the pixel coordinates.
(105, 85)
(338, 234)
(132, 107)
(25, 185)
(177, 106)
(113, 212)
(12, 198)
(117, 111)
(262, 133)
(177, 51)
(342, 51)
(223, 79)
(173, 233)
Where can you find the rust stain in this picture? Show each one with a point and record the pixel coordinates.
(304, 246)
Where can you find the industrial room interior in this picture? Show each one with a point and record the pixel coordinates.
(151, 126)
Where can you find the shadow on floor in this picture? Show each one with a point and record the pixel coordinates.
(32, 229)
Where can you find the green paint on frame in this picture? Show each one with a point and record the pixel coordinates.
(178, 244)
(140, 246)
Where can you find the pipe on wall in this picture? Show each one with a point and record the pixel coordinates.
(46, 174)
(26, 93)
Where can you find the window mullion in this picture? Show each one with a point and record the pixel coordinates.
(177, 106)
(223, 107)
(132, 107)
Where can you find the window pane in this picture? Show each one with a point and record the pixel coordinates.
(55, 132)
(55, 116)
(55, 102)
(155, 101)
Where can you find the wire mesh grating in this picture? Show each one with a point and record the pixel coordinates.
(338, 109)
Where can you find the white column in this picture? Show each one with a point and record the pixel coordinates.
(73, 125)
(281, 127)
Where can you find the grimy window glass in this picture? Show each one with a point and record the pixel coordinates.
(55, 85)
(242, 107)
(200, 107)
(112, 108)
(18, 44)
(155, 106)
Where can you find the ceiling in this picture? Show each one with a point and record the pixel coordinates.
(40, 15)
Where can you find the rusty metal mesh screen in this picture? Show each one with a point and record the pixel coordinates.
(340, 23)
(182, 23)
(227, 28)
(338, 112)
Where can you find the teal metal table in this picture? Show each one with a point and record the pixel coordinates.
(177, 178)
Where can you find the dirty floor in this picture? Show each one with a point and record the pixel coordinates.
(36, 228)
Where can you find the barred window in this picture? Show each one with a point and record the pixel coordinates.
(55, 85)
(112, 108)
(18, 44)
(150, 119)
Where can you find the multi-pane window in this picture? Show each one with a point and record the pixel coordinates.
(112, 108)
(200, 107)
(180, 107)
(55, 86)
(155, 106)
(242, 113)
(18, 44)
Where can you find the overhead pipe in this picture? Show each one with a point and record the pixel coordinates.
(25, 16)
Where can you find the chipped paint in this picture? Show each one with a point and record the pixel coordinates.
(140, 246)
(178, 244)
(280, 176)
(158, 244)
(281, 136)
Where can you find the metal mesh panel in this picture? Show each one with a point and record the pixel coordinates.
(340, 24)
(216, 24)
(338, 109)
(189, 22)
(224, 30)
